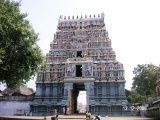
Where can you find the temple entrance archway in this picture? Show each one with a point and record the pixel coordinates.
(77, 87)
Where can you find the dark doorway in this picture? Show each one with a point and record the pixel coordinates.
(78, 70)
(79, 54)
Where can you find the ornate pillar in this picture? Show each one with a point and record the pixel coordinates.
(67, 89)
(87, 92)
(109, 110)
(54, 89)
(112, 90)
(75, 101)
(121, 89)
(89, 87)
(104, 91)
(47, 90)
(38, 89)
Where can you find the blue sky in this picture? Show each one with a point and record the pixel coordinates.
(133, 26)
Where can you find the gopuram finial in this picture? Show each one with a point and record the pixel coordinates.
(102, 16)
(85, 16)
(72, 17)
(60, 17)
(77, 16)
(90, 16)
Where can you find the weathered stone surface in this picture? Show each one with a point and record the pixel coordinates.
(10, 108)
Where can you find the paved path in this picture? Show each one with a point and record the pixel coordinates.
(82, 117)
(72, 117)
(125, 118)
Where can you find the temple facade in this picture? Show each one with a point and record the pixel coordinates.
(81, 58)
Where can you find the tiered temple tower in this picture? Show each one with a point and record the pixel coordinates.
(81, 59)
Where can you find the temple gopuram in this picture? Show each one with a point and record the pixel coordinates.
(81, 58)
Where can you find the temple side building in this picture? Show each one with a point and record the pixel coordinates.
(153, 108)
(81, 58)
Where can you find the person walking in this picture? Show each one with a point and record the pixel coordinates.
(98, 117)
(55, 115)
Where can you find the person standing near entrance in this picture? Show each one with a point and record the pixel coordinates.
(64, 110)
(55, 115)
(67, 110)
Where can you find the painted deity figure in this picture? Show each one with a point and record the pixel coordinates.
(72, 70)
(48, 76)
(85, 55)
(88, 72)
(74, 54)
(68, 70)
(83, 72)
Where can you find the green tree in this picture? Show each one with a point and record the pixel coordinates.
(137, 98)
(20, 56)
(144, 82)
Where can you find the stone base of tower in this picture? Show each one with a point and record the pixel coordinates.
(103, 110)
(47, 110)
(104, 98)
(107, 110)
